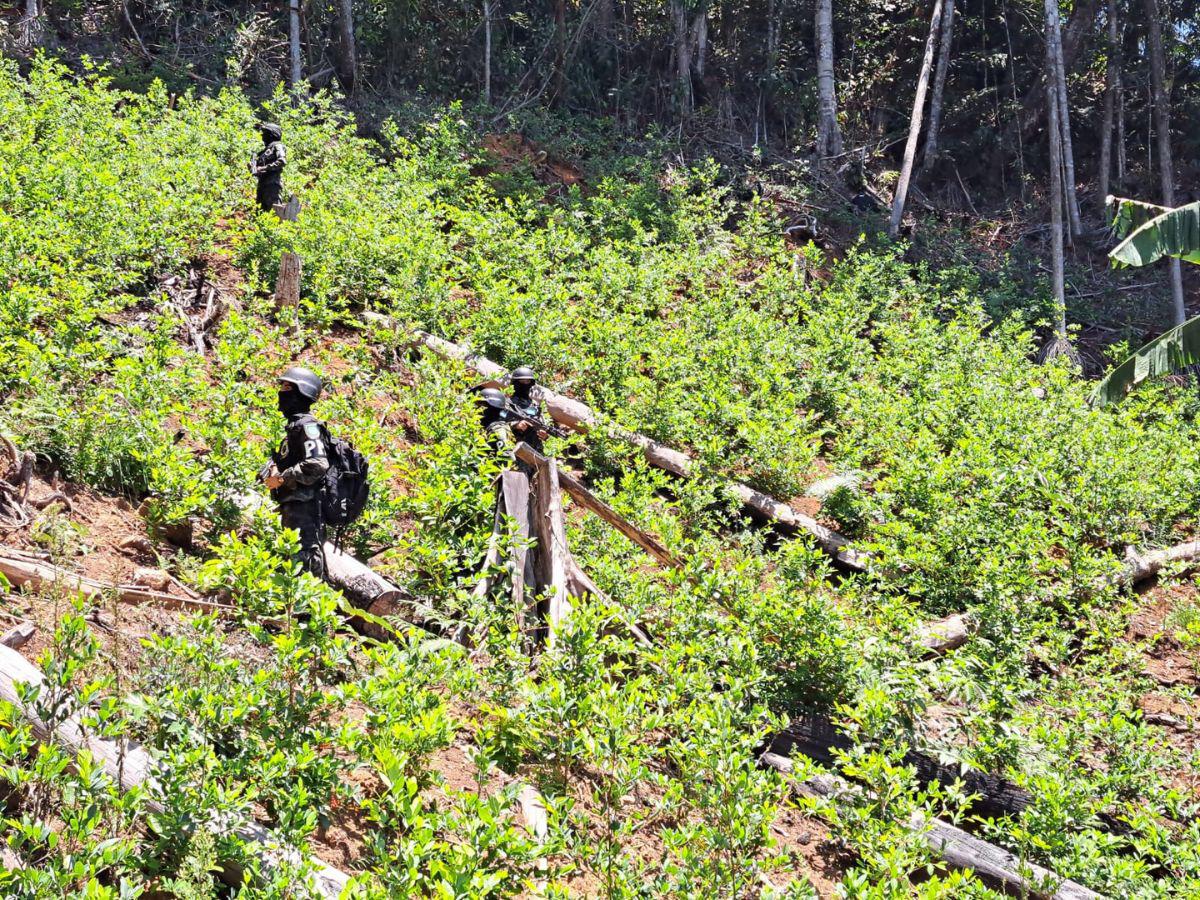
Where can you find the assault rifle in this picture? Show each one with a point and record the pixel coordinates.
(552, 430)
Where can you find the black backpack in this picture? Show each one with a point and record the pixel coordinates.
(344, 494)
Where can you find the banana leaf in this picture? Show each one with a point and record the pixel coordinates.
(1169, 352)
(1175, 232)
(1128, 215)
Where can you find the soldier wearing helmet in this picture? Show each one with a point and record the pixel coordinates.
(267, 166)
(525, 397)
(298, 467)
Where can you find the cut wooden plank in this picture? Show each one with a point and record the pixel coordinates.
(594, 504)
(41, 575)
(582, 418)
(514, 491)
(19, 635)
(958, 848)
(129, 766)
(551, 534)
(287, 285)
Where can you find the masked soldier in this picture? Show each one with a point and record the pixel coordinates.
(493, 417)
(298, 467)
(526, 399)
(267, 166)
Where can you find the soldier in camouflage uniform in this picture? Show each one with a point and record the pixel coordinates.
(267, 167)
(297, 469)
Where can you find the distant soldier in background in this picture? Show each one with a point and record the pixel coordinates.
(267, 167)
(297, 469)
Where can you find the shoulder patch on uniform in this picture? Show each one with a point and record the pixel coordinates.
(312, 430)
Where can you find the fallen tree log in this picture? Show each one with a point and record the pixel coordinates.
(40, 575)
(129, 766)
(582, 418)
(958, 848)
(947, 634)
(370, 592)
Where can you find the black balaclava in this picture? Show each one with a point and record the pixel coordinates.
(522, 390)
(293, 403)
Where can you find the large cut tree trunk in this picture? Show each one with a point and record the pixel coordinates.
(1053, 129)
(939, 86)
(1110, 96)
(914, 124)
(348, 52)
(829, 136)
(297, 69)
(1057, 74)
(1162, 128)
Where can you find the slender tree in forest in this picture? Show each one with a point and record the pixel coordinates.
(829, 135)
(1056, 75)
(487, 50)
(560, 52)
(1110, 96)
(689, 22)
(1060, 345)
(297, 70)
(1162, 128)
(914, 124)
(939, 87)
(347, 50)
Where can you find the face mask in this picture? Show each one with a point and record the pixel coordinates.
(291, 402)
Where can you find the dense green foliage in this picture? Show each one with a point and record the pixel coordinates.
(674, 309)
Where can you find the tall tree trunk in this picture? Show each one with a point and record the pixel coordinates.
(829, 136)
(939, 87)
(1053, 126)
(774, 26)
(1106, 122)
(487, 51)
(683, 57)
(914, 124)
(348, 51)
(297, 70)
(30, 27)
(1162, 126)
(560, 51)
(1122, 160)
(1058, 77)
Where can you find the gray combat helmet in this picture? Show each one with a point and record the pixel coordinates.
(304, 380)
(493, 398)
(270, 131)
(522, 375)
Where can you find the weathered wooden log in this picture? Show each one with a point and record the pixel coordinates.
(594, 504)
(946, 634)
(129, 766)
(582, 418)
(958, 848)
(40, 575)
(19, 635)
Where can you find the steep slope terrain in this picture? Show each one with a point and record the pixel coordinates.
(140, 345)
